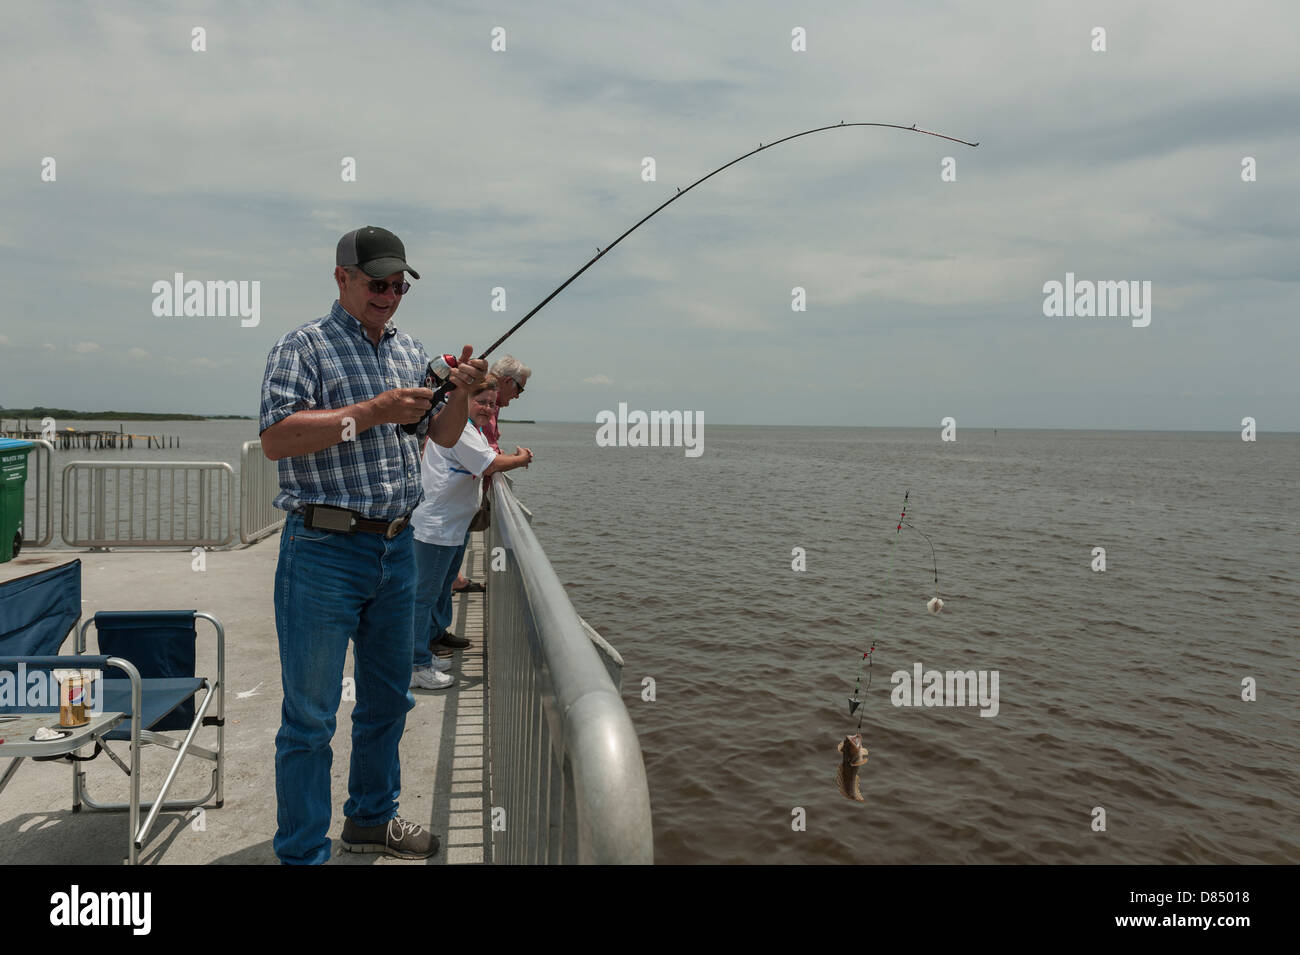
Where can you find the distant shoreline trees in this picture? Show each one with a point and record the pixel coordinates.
(57, 413)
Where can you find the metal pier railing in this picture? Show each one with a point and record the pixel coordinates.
(564, 760)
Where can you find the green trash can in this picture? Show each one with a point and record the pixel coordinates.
(13, 482)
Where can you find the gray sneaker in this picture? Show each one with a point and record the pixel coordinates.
(431, 678)
(397, 837)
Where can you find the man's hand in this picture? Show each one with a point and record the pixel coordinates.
(401, 405)
(471, 371)
(528, 455)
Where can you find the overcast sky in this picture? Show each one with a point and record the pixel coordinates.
(924, 297)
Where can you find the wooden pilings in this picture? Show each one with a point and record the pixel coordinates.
(68, 439)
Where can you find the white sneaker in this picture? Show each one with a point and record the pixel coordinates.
(427, 678)
(442, 664)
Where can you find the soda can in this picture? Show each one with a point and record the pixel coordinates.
(72, 702)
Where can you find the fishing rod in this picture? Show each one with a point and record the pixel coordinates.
(438, 374)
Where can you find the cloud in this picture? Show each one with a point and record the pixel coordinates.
(85, 348)
(730, 317)
(534, 160)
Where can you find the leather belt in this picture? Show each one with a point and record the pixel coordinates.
(389, 529)
(340, 520)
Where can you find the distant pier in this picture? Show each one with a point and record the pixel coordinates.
(67, 439)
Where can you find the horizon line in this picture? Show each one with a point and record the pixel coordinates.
(727, 424)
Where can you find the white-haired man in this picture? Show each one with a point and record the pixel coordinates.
(512, 375)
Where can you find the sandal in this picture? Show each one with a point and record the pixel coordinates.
(473, 587)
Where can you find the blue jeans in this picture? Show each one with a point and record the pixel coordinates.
(329, 589)
(436, 567)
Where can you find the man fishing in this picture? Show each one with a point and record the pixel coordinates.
(336, 393)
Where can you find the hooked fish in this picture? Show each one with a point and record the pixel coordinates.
(846, 776)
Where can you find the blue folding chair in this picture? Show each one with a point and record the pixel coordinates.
(37, 612)
(156, 651)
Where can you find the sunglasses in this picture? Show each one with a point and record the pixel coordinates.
(380, 286)
(519, 385)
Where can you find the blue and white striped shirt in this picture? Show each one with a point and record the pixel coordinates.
(331, 363)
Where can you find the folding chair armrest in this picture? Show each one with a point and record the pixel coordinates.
(220, 634)
(78, 662)
(221, 663)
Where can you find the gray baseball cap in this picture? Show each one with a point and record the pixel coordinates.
(375, 251)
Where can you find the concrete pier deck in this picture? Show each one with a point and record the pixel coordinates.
(444, 775)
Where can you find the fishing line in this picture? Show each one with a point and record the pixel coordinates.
(936, 565)
(855, 701)
(934, 606)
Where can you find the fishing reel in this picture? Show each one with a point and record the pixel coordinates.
(437, 377)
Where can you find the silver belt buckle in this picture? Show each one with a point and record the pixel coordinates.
(396, 527)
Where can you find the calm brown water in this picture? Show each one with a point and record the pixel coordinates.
(1119, 689)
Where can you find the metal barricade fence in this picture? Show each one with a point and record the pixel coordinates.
(141, 504)
(564, 758)
(38, 503)
(259, 483)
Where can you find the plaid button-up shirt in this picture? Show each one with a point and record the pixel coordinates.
(331, 363)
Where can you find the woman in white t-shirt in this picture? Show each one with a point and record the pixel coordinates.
(452, 478)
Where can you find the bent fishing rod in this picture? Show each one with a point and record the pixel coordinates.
(438, 374)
